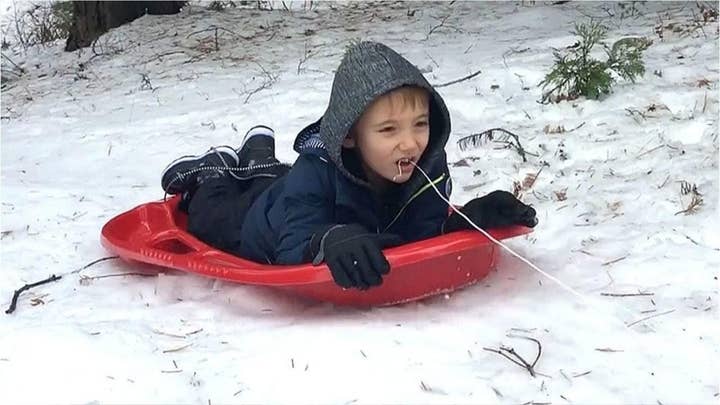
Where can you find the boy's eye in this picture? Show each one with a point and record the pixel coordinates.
(387, 129)
(421, 124)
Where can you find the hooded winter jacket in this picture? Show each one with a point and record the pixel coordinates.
(326, 184)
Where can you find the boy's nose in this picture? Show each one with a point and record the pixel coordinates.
(408, 143)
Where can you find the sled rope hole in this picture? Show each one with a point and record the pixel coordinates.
(566, 287)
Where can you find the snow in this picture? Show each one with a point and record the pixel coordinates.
(80, 145)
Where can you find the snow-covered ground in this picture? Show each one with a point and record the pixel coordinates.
(85, 137)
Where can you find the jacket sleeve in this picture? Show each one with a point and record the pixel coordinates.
(308, 203)
(427, 212)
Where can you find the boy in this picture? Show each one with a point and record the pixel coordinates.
(352, 191)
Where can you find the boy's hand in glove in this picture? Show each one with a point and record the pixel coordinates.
(353, 254)
(496, 209)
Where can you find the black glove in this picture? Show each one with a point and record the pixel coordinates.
(496, 209)
(353, 254)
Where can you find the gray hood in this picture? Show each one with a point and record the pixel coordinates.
(369, 70)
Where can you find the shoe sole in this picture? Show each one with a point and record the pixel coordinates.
(188, 162)
(266, 130)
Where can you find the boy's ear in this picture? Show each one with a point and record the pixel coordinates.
(349, 141)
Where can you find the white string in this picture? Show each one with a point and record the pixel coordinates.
(524, 260)
(400, 170)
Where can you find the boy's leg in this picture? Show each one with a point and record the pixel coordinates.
(216, 213)
(218, 205)
(218, 208)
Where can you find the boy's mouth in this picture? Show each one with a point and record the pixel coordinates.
(405, 162)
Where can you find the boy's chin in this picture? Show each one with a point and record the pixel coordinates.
(399, 179)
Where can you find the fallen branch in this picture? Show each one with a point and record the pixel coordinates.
(476, 139)
(16, 295)
(519, 360)
(52, 278)
(470, 76)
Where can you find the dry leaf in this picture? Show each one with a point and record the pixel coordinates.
(703, 83)
(559, 129)
(517, 187)
(461, 163)
(529, 181)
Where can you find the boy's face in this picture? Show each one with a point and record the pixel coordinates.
(392, 131)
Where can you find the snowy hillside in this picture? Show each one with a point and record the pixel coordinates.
(85, 136)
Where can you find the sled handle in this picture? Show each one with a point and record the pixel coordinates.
(176, 242)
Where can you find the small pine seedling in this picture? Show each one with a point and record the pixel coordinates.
(577, 74)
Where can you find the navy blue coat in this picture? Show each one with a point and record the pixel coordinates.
(315, 194)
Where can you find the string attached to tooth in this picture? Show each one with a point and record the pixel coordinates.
(399, 164)
(524, 260)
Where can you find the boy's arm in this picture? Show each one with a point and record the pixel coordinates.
(308, 208)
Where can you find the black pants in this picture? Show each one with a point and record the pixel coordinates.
(218, 208)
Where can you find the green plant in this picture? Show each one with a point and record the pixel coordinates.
(576, 73)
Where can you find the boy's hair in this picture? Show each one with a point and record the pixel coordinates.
(404, 96)
(412, 96)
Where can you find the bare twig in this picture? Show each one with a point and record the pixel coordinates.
(52, 278)
(470, 76)
(16, 294)
(639, 294)
(159, 332)
(85, 279)
(94, 262)
(649, 317)
(577, 127)
(519, 360)
(512, 51)
(695, 203)
(177, 349)
(537, 342)
(500, 352)
(582, 374)
(650, 151)
(22, 71)
(161, 55)
(442, 24)
(306, 56)
(263, 86)
(614, 261)
(215, 28)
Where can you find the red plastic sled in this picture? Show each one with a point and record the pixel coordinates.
(155, 233)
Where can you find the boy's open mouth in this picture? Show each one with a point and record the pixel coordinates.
(405, 162)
